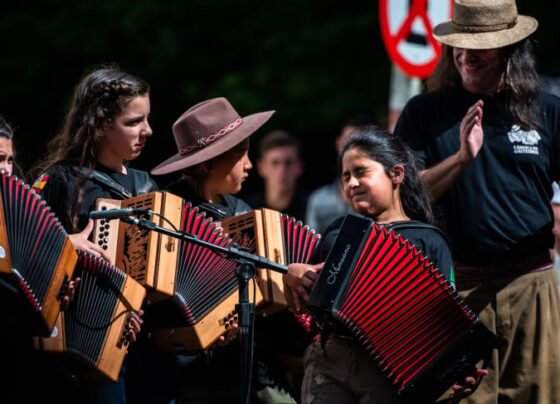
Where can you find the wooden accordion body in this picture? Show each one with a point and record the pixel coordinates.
(278, 237)
(147, 256)
(36, 255)
(206, 293)
(195, 289)
(411, 320)
(90, 334)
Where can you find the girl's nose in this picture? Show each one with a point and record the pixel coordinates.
(147, 130)
(353, 182)
(248, 165)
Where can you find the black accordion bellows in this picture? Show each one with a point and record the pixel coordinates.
(91, 311)
(92, 333)
(401, 308)
(36, 255)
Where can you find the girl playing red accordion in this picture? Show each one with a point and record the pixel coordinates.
(380, 181)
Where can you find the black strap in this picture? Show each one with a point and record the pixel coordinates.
(214, 212)
(413, 224)
(218, 214)
(142, 181)
(240, 207)
(105, 180)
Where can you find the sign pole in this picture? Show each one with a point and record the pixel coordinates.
(402, 88)
(406, 29)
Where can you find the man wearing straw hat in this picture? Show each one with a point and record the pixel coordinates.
(489, 141)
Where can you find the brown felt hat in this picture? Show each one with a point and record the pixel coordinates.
(484, 24)
(207, 130)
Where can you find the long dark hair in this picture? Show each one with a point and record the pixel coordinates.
(389, 150)
(7, 132)
(98, 98)
(521, 81)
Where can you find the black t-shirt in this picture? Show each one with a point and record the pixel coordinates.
(230, 206)
(498, 208)
(428, 239)
(296, 208)
(60, 184)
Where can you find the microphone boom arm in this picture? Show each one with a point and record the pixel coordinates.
(233, 252)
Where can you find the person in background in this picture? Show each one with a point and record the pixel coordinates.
(327, 202)
(487, 140)
(281, 340)
(556, 229)
(280, 165)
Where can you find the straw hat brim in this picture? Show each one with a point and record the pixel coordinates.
(447, 34)
(178, 162)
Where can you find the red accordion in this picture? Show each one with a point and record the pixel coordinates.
(418, 330)
(206, 290)
(36, 255)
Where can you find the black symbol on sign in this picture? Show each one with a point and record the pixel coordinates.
(418, 39)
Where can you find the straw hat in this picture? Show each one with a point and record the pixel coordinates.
(207, 130)
(484, 24)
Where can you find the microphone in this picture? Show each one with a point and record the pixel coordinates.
(118, 213)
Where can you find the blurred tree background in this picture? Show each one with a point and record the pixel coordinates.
(315, 62)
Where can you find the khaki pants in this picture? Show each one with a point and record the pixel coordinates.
(524, 313)
(346, 375)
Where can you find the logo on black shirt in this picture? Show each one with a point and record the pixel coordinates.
(524, 142)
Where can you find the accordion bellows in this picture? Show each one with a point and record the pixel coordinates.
(404, 312)
(193, 287)
(206, 290)
(36, 255)
(91, 333)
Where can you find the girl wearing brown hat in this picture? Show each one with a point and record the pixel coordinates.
(213, 144)
(488, 142)
(106, 126)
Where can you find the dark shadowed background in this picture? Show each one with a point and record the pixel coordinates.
(316, 62)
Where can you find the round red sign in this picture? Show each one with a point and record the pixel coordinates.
(406, 27)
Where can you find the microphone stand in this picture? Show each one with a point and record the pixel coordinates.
(245, 271)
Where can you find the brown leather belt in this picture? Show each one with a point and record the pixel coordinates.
(535, 263)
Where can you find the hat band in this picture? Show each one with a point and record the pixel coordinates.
(484, 28)
(205, 141)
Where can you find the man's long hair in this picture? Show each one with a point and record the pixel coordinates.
(521, 82)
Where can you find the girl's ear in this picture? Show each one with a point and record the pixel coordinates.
(101, 132)
(397, 174)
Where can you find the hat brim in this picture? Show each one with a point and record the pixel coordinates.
(178, 162)
(448, 35)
